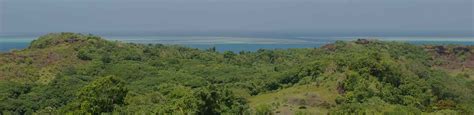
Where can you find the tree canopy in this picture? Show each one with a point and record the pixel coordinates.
(77, 73)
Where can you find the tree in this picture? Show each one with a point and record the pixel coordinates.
(102, 95)
(217, 100)
(229, 54)
(212, 49)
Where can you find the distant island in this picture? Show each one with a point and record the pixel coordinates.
(78, 73)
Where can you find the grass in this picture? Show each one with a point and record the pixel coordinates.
(466, 71)
(307, 99)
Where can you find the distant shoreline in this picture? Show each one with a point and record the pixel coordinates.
(244, 43)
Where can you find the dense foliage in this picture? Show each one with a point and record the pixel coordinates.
(68, 72)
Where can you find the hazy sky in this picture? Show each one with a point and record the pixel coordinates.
(317, 17)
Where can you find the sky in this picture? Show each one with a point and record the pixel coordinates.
(299, 17)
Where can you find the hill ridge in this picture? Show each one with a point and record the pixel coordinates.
(68, 72)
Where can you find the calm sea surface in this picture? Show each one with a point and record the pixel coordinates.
(237, 44)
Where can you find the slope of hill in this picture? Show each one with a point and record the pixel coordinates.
(68, 72)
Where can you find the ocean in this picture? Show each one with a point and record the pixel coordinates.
(237, 44)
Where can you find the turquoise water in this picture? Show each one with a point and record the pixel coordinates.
(237, 44)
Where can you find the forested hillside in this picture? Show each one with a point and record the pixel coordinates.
(76, 73)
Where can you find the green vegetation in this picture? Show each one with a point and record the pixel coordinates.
(76, 73)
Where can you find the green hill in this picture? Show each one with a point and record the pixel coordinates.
(76, 73)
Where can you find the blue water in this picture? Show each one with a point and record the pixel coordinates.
(7, 46)
(250, 47)
(467, 43)
(235, 44)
